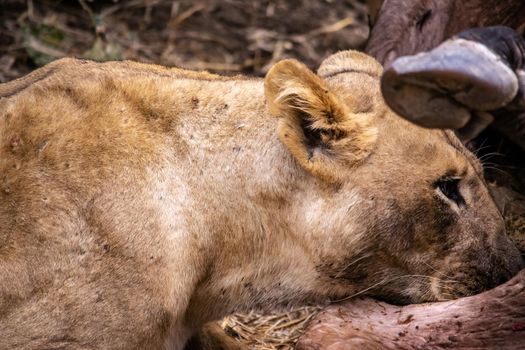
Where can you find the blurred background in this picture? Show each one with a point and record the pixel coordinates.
(229, 36)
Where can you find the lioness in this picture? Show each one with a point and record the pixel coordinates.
(138, 202)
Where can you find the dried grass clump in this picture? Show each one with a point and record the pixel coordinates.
(269, 332)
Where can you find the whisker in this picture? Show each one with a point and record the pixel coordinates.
(480, 148)
(362, 291)
(350, 264)
(388, 280)
(435, 270)
(489, 164)
(496, 169)
(492, 154)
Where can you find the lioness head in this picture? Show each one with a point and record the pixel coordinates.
(391, 209)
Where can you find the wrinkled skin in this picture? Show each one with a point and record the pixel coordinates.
(139, 202)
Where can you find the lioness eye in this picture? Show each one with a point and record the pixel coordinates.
(449, 187)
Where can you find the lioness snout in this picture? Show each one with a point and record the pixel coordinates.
(487, 268)
(504, 262)
(507, 260)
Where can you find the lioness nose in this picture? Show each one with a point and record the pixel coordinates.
(506, 265)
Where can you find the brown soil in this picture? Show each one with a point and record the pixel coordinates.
(228, 36)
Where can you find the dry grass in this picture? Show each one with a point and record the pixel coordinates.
(269, 332)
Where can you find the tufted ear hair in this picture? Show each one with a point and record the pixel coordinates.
(316, 126)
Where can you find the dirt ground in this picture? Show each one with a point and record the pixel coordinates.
(229, 37)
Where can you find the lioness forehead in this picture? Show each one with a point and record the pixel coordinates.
(421, 145)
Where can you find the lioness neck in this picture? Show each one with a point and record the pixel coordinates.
(246, 181)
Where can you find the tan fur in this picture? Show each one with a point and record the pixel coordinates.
(298, 96)
(139, 202)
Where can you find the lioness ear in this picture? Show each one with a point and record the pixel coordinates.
(320, 131)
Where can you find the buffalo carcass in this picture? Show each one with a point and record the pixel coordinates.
(491, 320)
